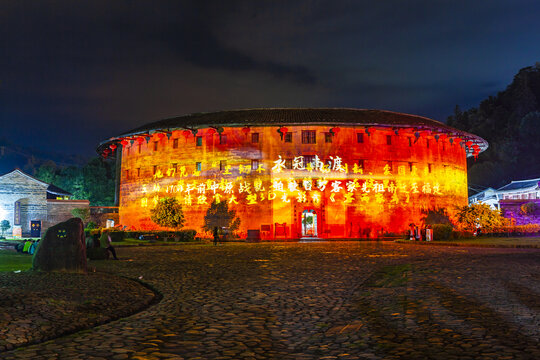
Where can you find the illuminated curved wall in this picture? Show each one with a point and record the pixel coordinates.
(353, 181)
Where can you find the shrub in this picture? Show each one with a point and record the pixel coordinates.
(117, 236)
(168, 213)
(462, 234)
(442, 232)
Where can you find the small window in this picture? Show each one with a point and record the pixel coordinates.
(138, 172)
(175, 144)
(222, 165)
(361, 164)
(359, 138)
(411, 166)
(427, 143)
(327, 137)
(288, 137)
(222, 139)
(443, 146)
(255, 138)
(156, 145)
(308, 137)
(388, 139)
(128, 149)
(199, 140)
(288, 163)
(198, 166)
(429, 168)
(127, 174)
(309, 159)
(140, 146)
(254, 164)
(154, 170)
(389, 163)
(410, 140)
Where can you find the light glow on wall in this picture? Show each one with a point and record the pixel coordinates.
(351, 185)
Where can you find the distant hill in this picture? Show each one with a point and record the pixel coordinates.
(29, 159)
(510, 122)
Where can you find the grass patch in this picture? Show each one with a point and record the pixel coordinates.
(508, 241)
(391, 276)
(12, 261)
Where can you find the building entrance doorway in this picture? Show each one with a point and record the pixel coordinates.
(309, 223)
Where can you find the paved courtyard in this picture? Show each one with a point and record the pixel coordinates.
(344, 300)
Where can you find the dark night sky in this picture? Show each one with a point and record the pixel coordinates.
(74, 72)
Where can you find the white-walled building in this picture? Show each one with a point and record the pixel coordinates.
(516, 190)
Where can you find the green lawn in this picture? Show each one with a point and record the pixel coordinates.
(12, 261)
(510, 241)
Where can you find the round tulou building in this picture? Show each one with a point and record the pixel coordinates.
(293, 173)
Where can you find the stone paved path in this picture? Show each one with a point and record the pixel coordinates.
(320, 301)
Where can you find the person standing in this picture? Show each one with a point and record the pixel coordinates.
(216, 235)
(106, 242)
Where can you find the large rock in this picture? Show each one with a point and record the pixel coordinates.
(63, 248)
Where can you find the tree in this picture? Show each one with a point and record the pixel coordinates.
(4, 225)
(218, 214)
(436, 216)
(529, 208)
(168, 213)
(479, 215)
(81, 213)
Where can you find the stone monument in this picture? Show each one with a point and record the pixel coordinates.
(62, 249)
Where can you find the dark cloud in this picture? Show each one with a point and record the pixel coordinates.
(76, 72)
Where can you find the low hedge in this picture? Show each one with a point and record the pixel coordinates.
(442, 232)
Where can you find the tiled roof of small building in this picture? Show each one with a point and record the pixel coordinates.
(521, 184)
(57, 191)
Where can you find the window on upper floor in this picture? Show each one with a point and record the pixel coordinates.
(308, 137)
(138, 172)
(156, 145)
(127, 174)
(222, 139)
(388, 139)
(288, 163)
(198, 140)
(254, 164)
(288, 137)
(328, 137)
(255, 138)
(198, 166)
(359, 138)
(222, 165)
(175, 144)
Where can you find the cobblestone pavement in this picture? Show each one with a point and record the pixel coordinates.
(345, 300)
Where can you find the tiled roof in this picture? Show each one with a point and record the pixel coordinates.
(57, 191)
(521, 184)
(292, 116)
(279, 117)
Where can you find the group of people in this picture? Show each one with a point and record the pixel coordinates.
(420, 234)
